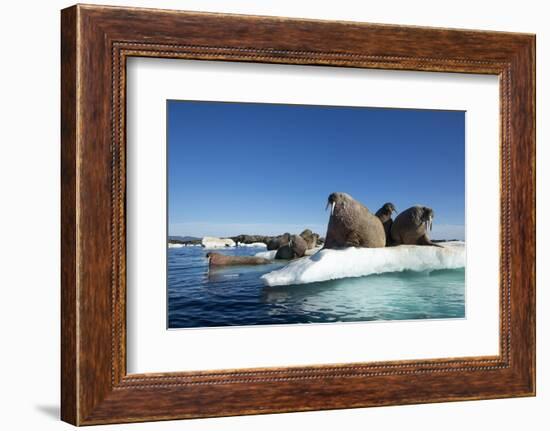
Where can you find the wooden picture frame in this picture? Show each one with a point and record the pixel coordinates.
(95, 43)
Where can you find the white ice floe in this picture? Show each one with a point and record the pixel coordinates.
(357, 262)
(214, 242)
(252, 244)
(313, 250)
(174, 245)
(267, 254)
(271, 253)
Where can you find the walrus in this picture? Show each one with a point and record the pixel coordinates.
(310, 237)
(351, 224)
(218, 259)
(295, 248)
(384, 214)
(278, 241)
(249, 239)
(411, 226)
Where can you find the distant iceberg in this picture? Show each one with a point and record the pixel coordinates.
(180, 245)
(214, 242)
(358, 262)
(174, 245)
(252, 244)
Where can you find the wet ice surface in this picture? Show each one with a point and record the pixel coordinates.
(357, 262)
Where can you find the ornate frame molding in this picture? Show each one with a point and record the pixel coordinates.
(96, 41)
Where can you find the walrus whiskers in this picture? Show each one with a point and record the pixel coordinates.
(412, 226)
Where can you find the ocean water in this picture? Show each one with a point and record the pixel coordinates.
(236, 296)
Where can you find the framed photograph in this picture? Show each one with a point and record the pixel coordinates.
(267, 215)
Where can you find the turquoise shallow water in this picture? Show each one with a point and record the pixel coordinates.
(235, 296)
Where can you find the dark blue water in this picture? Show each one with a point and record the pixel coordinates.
(234, 296)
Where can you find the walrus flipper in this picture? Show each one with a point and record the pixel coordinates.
(353, 240)
(424, 240)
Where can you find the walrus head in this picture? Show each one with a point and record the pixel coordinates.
(389, 208)
(427, 217)
(337, 201)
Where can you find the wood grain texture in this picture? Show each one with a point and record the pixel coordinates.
(96, 41)
(69, 366)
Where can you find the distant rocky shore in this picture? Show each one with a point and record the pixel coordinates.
(268, 240)
(288, 246)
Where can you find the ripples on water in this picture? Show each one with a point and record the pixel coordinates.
(235, 296)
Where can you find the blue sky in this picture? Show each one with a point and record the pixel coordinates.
(267, 169)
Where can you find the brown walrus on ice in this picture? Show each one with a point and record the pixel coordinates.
(384, 214)
(411, 226)
(351, 224)
(218, 259)
(278, 241)
(296, 247)
(311, 238)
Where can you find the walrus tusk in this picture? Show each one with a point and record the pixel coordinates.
(430, 223)
(332, 208)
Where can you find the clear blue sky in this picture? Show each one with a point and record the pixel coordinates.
(266, 169)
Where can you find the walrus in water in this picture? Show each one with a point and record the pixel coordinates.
(218, 259)
(384, 214)
(412, 225)
(352, 225)
(296, 247)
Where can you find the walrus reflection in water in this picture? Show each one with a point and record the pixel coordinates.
(384, 214)
(218, 259)
(412, 225)
(351, 224)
